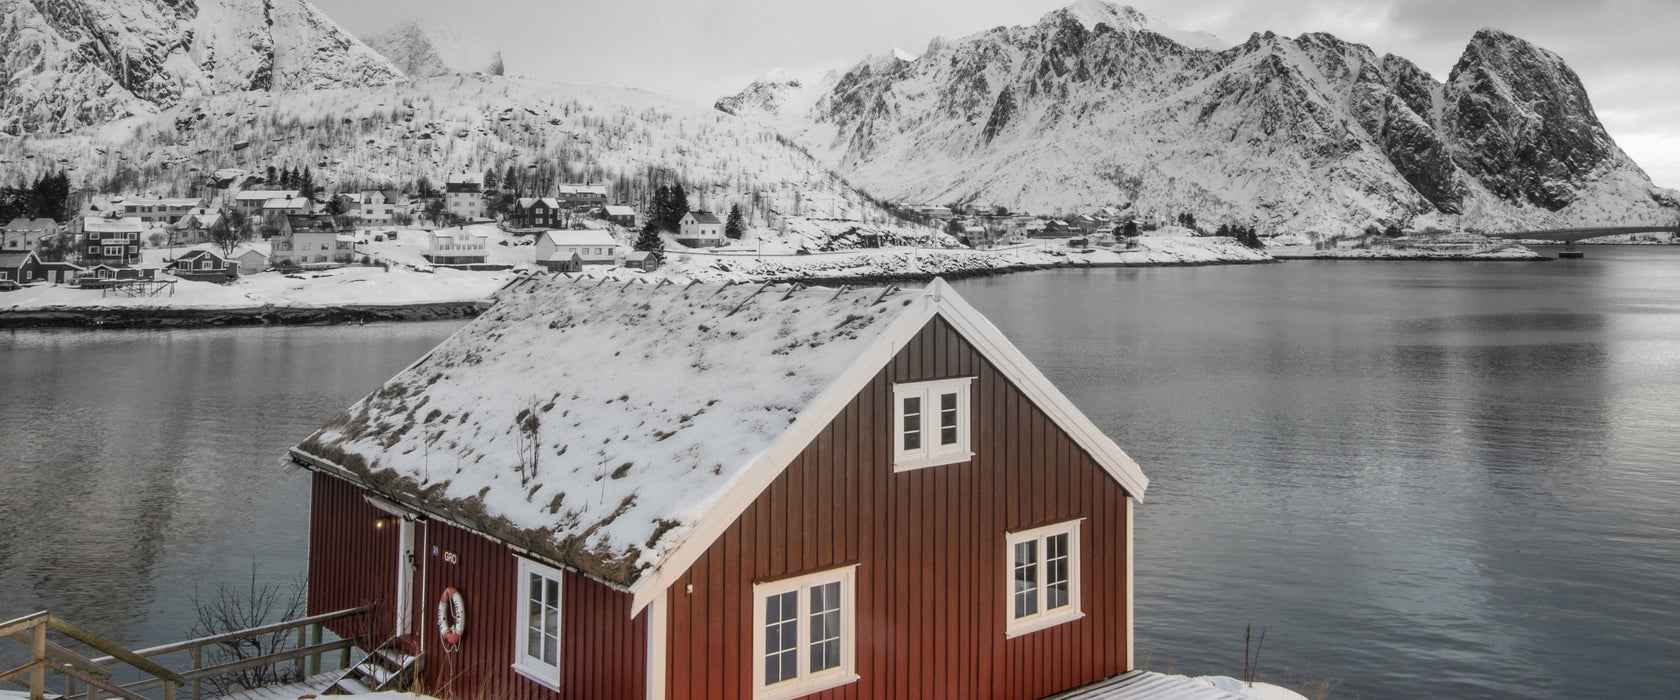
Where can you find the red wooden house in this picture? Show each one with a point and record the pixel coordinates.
(729, 492)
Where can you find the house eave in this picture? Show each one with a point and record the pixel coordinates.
(430, 512)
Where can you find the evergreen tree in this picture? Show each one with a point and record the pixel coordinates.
(659, 209)
(649, 239)
(490, 181)
(676, 208)
(511, 181)
(1131, 229)
(734, 227)
(286, 178)
(272, 179)
(335, 206)
(306, 184)
(1393, 231)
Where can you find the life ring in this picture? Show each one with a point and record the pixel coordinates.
(451, 602)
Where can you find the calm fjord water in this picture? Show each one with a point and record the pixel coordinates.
(1422, 479)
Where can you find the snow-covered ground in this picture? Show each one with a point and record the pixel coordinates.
(349, 286)
(918, 262)
(411, 280)
(1502, 252)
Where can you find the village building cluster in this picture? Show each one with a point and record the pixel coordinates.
(286, 228)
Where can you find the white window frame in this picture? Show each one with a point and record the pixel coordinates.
(523, 663)
(1044, 618)
(806, 682)
(932, 454)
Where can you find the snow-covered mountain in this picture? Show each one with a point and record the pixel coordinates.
(395, 134)
(1098, 105)
(71, 63)
(423, 49)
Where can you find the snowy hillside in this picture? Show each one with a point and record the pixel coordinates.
(392, 135)
(71, 63)
(1098, 105)
(423, 49)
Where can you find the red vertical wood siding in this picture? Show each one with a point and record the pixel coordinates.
(603, 650)
(352, 562)
(929, 545)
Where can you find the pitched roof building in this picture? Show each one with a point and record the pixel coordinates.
(686, 471)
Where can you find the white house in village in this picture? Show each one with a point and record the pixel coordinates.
(251, 202)
(570, 250)
(311, 241)
(700, 229)
(456, 247)
(464, 196)
(377, 207)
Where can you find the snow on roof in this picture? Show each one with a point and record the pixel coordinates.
(635, 406)
(14, 258)
(618, 210)
(580, 237)
(583, 189)
(705, 217)
(286, 203)
(265, 195)
(99, 224)
(23, 224)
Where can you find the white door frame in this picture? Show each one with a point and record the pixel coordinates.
(405, 576)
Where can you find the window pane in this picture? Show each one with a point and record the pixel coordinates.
(781, 637)
(1026, 578)
(825, 627)
(948, 436)
(913, 423)
(1056, 571)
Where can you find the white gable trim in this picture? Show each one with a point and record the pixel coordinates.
(992, 344)
(768, 465)
(938, 300)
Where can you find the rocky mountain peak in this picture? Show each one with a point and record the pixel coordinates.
(1099, 105)
(71, 63)
(425, 48)
(1522, 123)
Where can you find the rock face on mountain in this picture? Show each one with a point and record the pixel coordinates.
(71, 63)
(1098, 105)
(426, 49)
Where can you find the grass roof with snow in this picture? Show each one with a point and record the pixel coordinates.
(596, 422)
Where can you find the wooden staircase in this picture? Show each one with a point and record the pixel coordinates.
(386, 668)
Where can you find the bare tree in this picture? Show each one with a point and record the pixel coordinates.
(235, 608)
(230, 231)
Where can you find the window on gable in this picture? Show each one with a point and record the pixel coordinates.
(931, 423)
(538, 642)
(1042, 578)
(804, 631)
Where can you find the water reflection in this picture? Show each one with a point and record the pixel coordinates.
(1415, 476)
(142, 464)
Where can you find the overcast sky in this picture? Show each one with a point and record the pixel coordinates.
(1627, 52)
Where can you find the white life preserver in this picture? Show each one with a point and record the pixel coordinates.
(451, 602)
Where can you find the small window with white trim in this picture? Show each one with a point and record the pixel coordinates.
(538, 643)
(804, 634)
(1042, 582)
(931, 423)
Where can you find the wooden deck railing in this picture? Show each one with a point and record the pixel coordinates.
(95, 673)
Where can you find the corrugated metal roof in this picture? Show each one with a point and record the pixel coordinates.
(1146, 685)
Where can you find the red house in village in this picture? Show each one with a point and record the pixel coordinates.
(645, 491)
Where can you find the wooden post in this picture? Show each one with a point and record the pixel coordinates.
(168, 690)
(315, 640)
(198, 663)
(38, 653)
(300, 664)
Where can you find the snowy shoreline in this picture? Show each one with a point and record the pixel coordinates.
(119, 317)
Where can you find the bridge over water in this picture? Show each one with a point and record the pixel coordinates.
(1570, 236)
